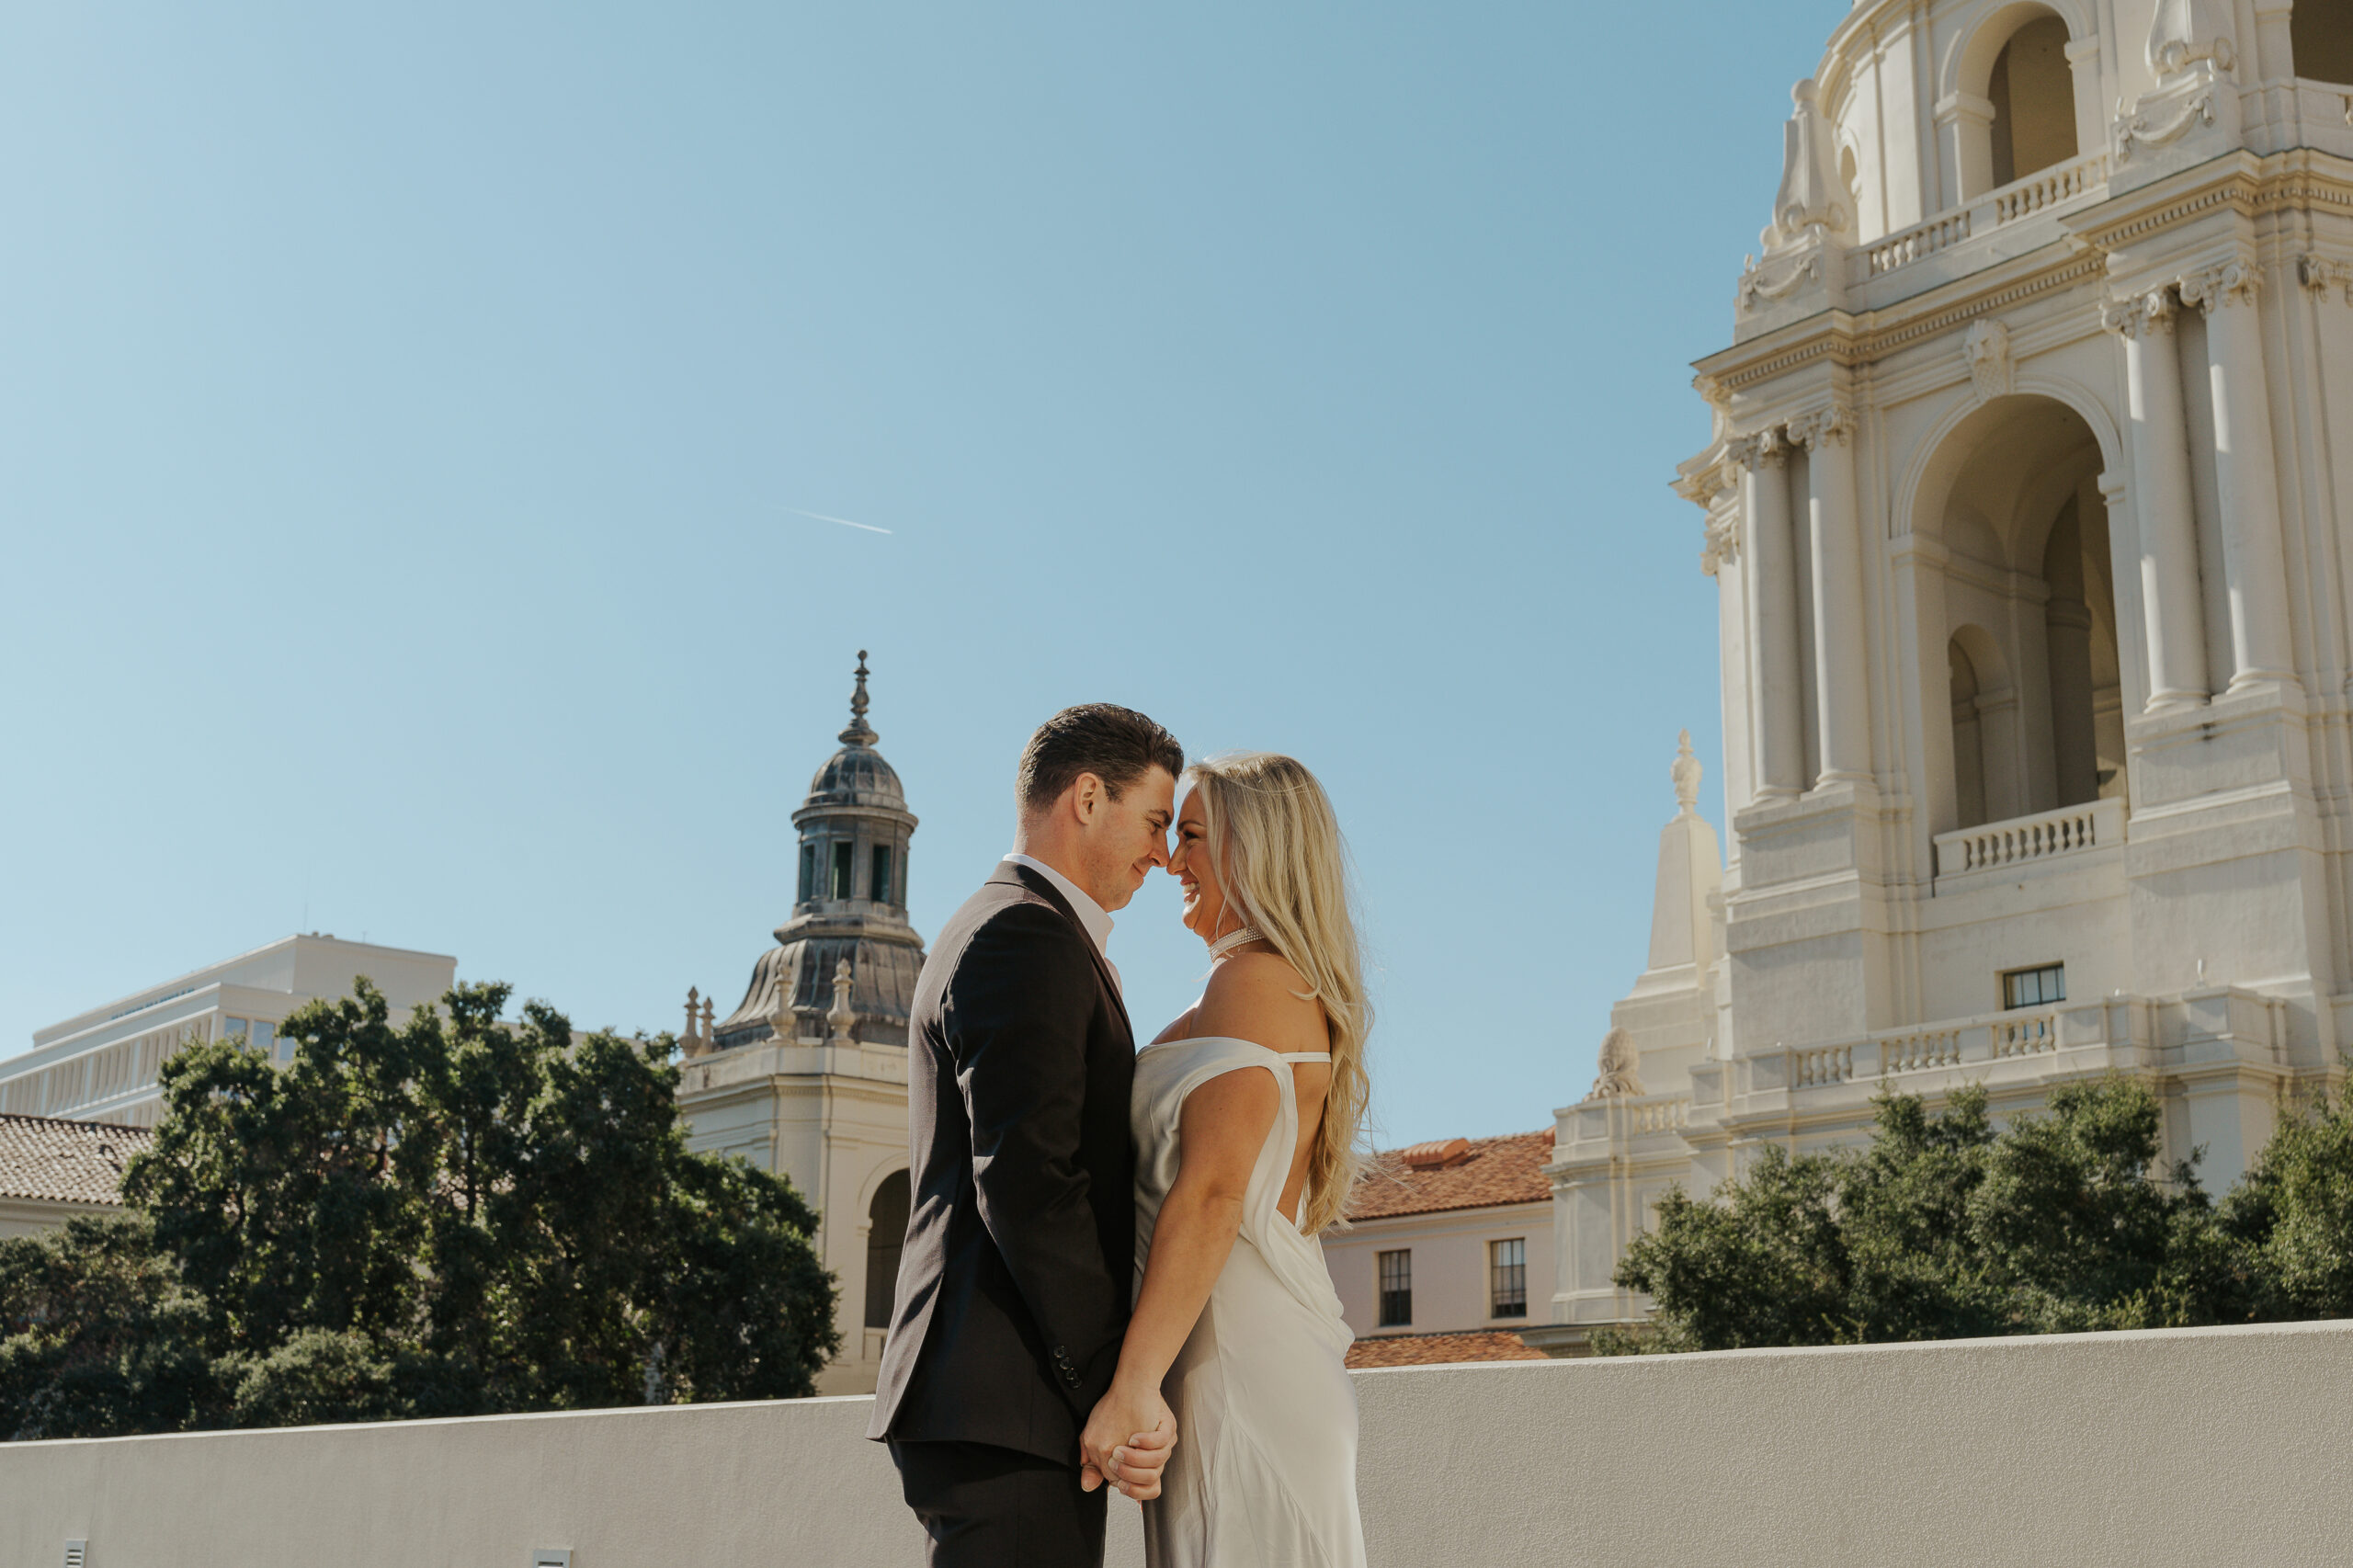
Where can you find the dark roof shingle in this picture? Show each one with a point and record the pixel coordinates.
(1509, 1169)
(67, 1162)
(1441, 1349)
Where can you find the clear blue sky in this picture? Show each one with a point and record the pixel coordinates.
(402, 409)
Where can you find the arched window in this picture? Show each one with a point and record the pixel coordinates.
(886, 1233)
(2033, 93)
(808, 871)
(878, 885)
(842, 851)
(2320, 32)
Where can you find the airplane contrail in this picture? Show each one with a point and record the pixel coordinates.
(845, 522)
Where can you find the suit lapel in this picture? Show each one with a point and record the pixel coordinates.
(1023, 877)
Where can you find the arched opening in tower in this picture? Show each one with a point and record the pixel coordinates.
(2034, 680)
(886, 1233)
(2033, 93)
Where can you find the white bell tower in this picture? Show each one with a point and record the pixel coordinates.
(2030, 509)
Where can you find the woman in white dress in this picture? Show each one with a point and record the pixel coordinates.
(1246, 1113)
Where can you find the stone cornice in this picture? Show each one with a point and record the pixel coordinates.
(2298, 179)
(1850, 340)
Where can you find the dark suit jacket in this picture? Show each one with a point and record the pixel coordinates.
(1015, 1284)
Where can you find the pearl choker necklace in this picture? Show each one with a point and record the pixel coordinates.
(1226, 944)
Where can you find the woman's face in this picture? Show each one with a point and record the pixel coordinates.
(1192, 865)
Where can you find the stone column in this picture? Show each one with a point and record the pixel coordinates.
(1773, 595)
(2245, 473)
(2161, 502)
(1840, 690)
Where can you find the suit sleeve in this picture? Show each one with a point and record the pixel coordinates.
(1018, 1013)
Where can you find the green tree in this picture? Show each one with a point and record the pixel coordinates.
(2291, 1218)
(1942, 1228)
(443, 1215)
(98, 1336)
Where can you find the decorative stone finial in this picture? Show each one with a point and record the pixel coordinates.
(843, 1018)
(1617, 1076)
(1685, 771)
(691, 1042)
(860, 733)
(709, 1013)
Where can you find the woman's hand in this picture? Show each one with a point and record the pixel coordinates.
(1127, 1440)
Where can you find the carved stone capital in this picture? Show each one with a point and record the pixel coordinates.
(2321, 275)
(1720, 544)
(1822, 426)
(1766, 448)
(2140, 315)
(2219, 288)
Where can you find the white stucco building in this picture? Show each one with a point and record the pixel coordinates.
(808, 1076)
(2029, 504)
(100, 1065)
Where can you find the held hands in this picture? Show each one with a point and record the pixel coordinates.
(1127, 1440)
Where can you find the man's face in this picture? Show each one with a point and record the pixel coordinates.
(1128, 837)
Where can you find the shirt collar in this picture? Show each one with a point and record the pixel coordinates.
(1091, 915)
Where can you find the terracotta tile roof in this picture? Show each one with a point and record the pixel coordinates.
(1441, 1349)
(1509, 1169)
(67, 1162)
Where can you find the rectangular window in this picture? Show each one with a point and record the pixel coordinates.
(265, 1035)
(1396, 1289)
(2034, 987)
(841, 868)
(1508, 1277)
(232, 1028)
(879, 886)
(808, 872)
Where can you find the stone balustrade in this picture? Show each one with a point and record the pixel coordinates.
(2001, 845)
(2038, 192)
(1897, 1456)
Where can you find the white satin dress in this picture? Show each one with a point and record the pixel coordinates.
(1265, 1471)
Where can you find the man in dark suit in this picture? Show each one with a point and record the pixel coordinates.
(1013, 1287)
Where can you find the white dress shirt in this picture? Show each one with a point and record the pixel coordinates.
(1092, 916)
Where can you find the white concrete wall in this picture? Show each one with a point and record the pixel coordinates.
(2188, 1447)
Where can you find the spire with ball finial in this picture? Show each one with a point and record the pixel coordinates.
(859, 733)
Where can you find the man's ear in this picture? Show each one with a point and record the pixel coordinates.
(1086, 797)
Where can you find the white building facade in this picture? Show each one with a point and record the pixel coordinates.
(101, 1066)
(2030, 509)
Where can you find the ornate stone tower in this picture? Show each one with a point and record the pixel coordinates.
(808, 1075)
(2029, 510)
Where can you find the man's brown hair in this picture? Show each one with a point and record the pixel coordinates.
(1117, 745)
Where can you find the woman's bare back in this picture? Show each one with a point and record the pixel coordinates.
(1253, 994)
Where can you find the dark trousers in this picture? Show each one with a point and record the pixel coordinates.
(989, 1507)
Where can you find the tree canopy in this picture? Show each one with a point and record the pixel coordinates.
(445, 1215)
(1943, 1227)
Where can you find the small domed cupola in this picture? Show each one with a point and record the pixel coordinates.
(850, 903)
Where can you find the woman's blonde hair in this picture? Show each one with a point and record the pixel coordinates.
(1283, 865)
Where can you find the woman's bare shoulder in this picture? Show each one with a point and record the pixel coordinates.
(1258, 996)
(1180, 1026)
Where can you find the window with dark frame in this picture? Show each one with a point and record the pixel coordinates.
(2034, 987)
(1396, 1287)
(1508, 1277)
(878, 886)
(808, 872)
(841, 868)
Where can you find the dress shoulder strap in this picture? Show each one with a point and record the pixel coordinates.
(1306, 1056)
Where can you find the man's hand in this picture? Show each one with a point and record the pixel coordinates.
(1127, 1440)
